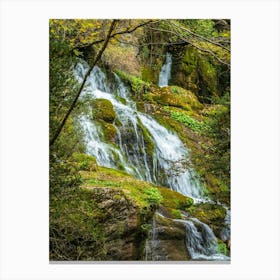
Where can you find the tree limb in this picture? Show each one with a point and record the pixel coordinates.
(127, 30)
(199, 36)
(191, 43)
(113, 24)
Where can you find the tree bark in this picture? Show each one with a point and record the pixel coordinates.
(60, 127)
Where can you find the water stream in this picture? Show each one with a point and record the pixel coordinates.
(165, 73)
(166, 166)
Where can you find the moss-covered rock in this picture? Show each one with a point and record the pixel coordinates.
(85, 162)
(166, 240)
(110, 217)
(109, 132)
(102, 109)
(137, 85)
(211, 214)
(196, 73)
(93, 224)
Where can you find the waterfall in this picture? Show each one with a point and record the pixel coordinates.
(165, 72)
(152, 246)
(225, 233)
(201, 242)
(167, 166)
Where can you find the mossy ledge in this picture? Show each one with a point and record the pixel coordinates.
(107, 218)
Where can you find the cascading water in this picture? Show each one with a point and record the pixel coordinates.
(201, 241)
(165, 72)
(167, 166)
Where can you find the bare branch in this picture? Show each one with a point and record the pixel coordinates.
(113, 24)
(198, 36)
(125, 31)
(191, 43)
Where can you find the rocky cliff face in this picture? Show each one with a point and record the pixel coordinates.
(166, 240)
(113, 218)
(121, 222)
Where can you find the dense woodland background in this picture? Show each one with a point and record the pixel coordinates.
(195, 105)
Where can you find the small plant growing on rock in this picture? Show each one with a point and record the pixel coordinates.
(154, 196)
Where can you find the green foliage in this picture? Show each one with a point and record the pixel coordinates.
(154, 196)
(63, 87)
(186, 120)
(208, 74)
(218, 128)
(204, 27)
(137, 85)
(85, 162)
(222, 248)
(63, 174)
(211, 214)
(78, 32)
(76, 226)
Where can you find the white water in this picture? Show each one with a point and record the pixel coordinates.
(152, 246)
(165, 72)
(201, 242)
(166, 167)
(168, 164)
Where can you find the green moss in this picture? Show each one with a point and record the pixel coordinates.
(190, 59)
(211, 214)
(197, 73)
(140, 191)
(109, 132)
(174, 200)
(189, 97)
(209, 74)
(211, 211)
(137, 85)
(147, 75)
(102, 109)
(154, 196)
(176, 214)
(186, 119)
(222, 248)
(85, 162)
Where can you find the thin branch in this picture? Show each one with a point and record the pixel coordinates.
(191, 43)
(113, 24)
(127, 30)
(199, 36)
(149, 44)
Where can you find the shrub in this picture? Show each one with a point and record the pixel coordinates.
(85, 162)
(186, 120)
(63, 174)
(154, 196)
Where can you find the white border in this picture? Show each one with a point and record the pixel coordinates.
(24, 138)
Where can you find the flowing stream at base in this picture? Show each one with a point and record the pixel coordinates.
(166, 164)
